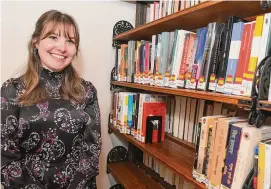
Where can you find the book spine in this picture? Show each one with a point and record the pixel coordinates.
(261, 165)
(204, 68)
(267, 171)
(233, 56)
(183, 67)
(253, 61)
(215, 61)
(230, 162)
(223, 128)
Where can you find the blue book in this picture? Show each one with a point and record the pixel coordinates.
(130, 110)
(236, 39)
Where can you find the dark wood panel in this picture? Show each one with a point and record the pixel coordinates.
(218, 97)
(179, 158)
(195, 17)
(131, 176)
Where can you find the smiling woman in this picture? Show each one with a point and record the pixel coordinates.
(50, 117)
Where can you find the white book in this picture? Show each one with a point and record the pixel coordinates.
(151, 13)
(161, 4)
(264, 39)
(177, 116)
(182, 117)
(187, 116)
(176, 181)
(178, 55)
(172, 114)
(191, 120)
(169, 10)
(156, 11)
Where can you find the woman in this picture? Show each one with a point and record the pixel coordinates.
(50, 118)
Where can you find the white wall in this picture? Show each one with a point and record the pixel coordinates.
(96, 20)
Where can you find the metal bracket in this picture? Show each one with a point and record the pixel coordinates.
(116, 154)
(265, 4)
(120, 27)
(244, 103)
(109, 128)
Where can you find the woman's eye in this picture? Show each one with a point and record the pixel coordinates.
(53, 37)
(70, 41)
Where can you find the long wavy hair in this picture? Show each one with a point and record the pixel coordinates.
(71, 88)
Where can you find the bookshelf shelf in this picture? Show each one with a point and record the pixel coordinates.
(131, 176)
(218, 97)
(179, 158)
(195, 17)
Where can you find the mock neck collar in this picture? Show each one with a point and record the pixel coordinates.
(52, 81)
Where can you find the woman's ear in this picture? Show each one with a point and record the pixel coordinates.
(35, 42)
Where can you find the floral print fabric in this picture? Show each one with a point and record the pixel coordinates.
(53, 144)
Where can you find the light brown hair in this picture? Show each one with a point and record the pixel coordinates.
(71, 87)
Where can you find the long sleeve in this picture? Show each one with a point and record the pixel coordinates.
(86, 174)
(10, 130)
(92, 134)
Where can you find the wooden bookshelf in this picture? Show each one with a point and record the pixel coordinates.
(177, 157)
(130, 176)
(218, 97)
(195, 17)
(264, 105)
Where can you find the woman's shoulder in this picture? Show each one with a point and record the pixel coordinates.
(90, 89)
(88, 85)
(12, 87)
(12, 83)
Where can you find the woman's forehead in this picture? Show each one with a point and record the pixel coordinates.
(60, 29)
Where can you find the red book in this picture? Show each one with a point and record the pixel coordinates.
(153, 109)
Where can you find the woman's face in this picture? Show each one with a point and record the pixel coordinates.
(57, 50)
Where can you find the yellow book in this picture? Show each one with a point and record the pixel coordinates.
(261, 164)
(253, 61)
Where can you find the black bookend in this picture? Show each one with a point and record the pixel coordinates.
(154, 129)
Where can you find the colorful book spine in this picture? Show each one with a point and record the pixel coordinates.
(233, 145)
(201, 33)
(234, 53)
(244, 50)
(253, 61)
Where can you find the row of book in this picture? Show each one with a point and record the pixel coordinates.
(166, 173)
(148, 12)
(225, 151)
(139, 114)
(148, 116)
(221, 57)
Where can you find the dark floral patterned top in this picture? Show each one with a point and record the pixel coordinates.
(54, 144)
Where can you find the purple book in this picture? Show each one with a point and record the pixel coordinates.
(231, 157)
